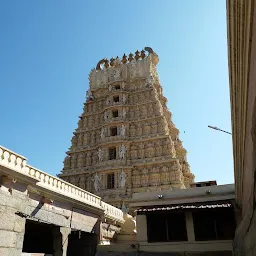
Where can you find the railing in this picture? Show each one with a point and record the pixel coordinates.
(111, 211)
(19, 164)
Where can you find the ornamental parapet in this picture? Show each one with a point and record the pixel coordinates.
(16, 165)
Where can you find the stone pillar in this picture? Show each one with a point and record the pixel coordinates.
(65, 232)
(141, 227)
(190, 226)
(60, 240)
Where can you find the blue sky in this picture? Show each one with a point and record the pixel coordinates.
(48, 48)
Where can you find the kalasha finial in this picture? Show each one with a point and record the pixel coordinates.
(142, 54)
(124, 59)
(112, 62)
(137, 55)
(130, 57)
(106, 65)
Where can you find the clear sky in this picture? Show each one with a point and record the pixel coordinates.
(47, 49)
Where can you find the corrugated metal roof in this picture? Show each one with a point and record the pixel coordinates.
(186, 207)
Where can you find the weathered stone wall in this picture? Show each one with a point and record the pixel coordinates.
(19, 202)
(12, 226)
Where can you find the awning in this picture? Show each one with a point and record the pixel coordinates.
(185, 207)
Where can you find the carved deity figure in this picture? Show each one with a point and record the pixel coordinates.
(150, 110)
(89, 158)
(74, 141)
(132, 130)
(139, 130)
(122, 179)
(89, 95)
(82, 182)
(102, 133)
(105, 116)
(124, 113)
(117, 73)
(122, 151)
(96, 182)
(67, 162)
(144, 111)
(122, 130)
(141, 151)
(80, 160)
(124, 99)
(100, 154)
(133, 152)
(73, 161)
(94, 157)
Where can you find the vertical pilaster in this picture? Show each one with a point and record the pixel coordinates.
(141, 227)
(190, 226)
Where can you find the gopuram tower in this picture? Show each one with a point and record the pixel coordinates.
(126, 141)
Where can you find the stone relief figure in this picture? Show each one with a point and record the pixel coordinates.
(94, 157)
(82, 182)
(74, 141)
(147, 128)
(80, 123)
(144, 178)
(89, 158)
(122, 130)
(105, 116)
(141, 151)
(131, 115)
(133, 152)
(93, 138)
(80, 139)
(154, 127)
(124, 99)
(158, 148)
(117, 74)
(122, 151)
(67, 162)
(122, 179)
(89, 95)
(132, 130)
(144, 111)
(96, 182)
(80, 160)
(124, 113)
(137, 113)
(102, 133)
(89, 121)
(73, 161)
(150, 110)
(100, 154)
(139, 130)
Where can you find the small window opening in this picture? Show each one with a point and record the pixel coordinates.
(117, 87)
(110, 181)
(113, 131)
(115, 113)
(112, 153)
(116, 98)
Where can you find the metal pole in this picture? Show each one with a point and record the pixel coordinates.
(218, 129)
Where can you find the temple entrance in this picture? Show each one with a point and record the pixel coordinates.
(82, 243)
(38, 238)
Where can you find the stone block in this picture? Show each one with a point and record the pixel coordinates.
(19, 240)
(8, 238)
(10, 252)
(7, 219)
(19, 224)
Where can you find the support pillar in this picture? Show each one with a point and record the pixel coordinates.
(141, 227)
(190, 226)
(60, 240)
